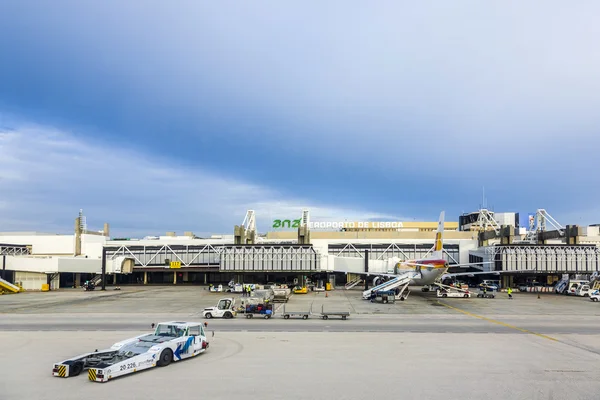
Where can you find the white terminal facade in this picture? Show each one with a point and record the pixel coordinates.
(544, 250)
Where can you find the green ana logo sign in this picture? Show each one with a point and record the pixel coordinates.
(286, 223)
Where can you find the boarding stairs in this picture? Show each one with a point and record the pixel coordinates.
(401, 280)
(353, 283)
(6, 285)
(97, 280)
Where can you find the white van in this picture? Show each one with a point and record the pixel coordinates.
(574, 285)
(584, 290)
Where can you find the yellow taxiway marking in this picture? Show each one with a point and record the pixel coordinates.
(493, 321)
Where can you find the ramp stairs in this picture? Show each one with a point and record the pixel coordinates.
(401, 280)
(97, 280)
(353, 283)
(6, 285)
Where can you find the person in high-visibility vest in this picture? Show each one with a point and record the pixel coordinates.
(509, 291)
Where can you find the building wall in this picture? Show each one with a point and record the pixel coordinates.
(316, 235)
(35, 280)
(406, 226)
(91, 245)
(43, 244)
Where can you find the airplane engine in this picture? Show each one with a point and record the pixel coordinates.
(378, 280)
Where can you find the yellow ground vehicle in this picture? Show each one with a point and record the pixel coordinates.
(300, 290)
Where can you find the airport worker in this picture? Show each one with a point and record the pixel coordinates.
(509, 291)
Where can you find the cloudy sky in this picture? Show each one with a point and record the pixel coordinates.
(173, 116)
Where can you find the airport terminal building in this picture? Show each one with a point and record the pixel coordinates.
(539, 254)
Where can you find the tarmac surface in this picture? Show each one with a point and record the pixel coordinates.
(424, 347)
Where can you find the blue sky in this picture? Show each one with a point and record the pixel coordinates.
(176, 116)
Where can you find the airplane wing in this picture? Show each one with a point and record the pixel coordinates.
(450, 265)
(377, 273)
(471, 274)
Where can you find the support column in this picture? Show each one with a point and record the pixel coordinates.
(366, 269)
(185, 276)
(114, 279)
(3, 267)
(175, 278)
(77, 280)
(145, 277)
(103, 268)
(205, 278)
(505, 281)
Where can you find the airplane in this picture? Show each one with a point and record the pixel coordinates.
(429, 270)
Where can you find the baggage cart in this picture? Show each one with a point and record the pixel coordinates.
(301, 314)
(327, 314)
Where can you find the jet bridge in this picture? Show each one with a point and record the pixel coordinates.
(401, 280)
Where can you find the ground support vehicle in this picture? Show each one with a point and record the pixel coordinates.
(9, 287)
(303, 314)
(281, 295)
(573, 285)
(327, 314)
(225, 309)
(584, 290)
(398, 284)
(595, 296)
(300, 290)
(490, 285)
(170, 342)
(452, 293)
(488, 294)
(384, 296)
(261, 309)
(214, 289)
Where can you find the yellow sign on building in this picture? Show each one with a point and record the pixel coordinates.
(175, 264)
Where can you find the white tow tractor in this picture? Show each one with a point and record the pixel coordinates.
(170, 342)
(595, 296)
(225, 308)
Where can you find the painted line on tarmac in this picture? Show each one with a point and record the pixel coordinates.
(493, 321)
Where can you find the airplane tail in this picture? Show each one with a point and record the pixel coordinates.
(439, 238)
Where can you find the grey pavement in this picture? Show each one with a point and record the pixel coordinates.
(295, 366)
(425, 347)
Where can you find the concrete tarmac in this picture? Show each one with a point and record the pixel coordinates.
(297, 366)
(425, 347)
(442, 324)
